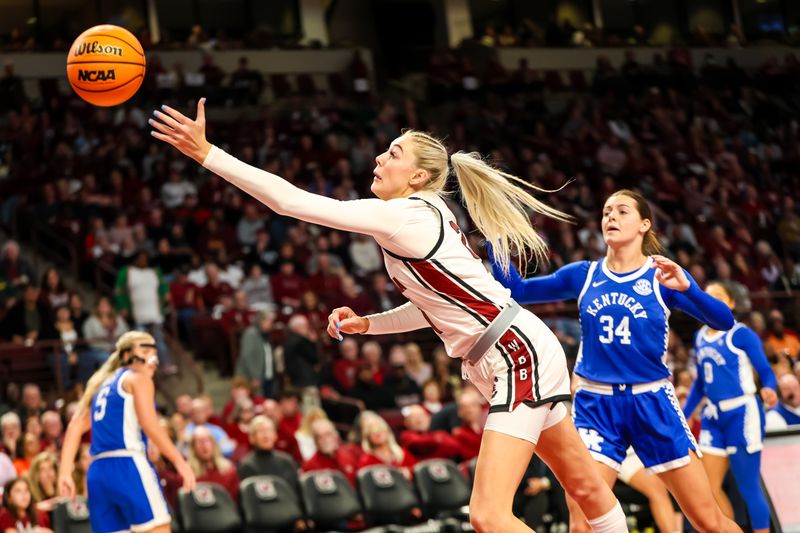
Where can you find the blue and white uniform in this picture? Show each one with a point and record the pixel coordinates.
(733, 420)
(624, 397)
(782, 416)
(124, 491)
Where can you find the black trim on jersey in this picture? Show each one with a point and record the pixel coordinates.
(510, 380)
(447, 298)
(438, 242)
(475, 292)
(529, 345)
(555, 400)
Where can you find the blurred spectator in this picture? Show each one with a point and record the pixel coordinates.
(538, 495)
(787, 412)
(32, 402)
(186, 301)
(432, 396)
(265, 460)
(287, 286)
(176, 189)
(77, 312)
(469, 433)
(249, 225)
(7, 470)
(303, 435)
(345, 367)
(209, 465)
(374, 396)
(372, 355)
(53, 293)
(285, 439)
(215, 288)
(201, 412)
(300, 353)
(238, 429)
(19, 511)
(330, 453)
(398, 384)
(67, 359)
(142, 295)
(240, 391)
(31, 446)
(42, 477)
(365, 254)
(28, 320)
(256, 355)
(101, 331)
(52, 431)
(354, 297)
(416, 367)
(11, 432)
(421, 441)
(381, 448)
(780, 339)
(245, 83)
(258, 289)
(14, 269)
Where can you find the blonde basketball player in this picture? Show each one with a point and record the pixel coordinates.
(508, 353)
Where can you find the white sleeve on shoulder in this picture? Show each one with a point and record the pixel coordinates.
(372, 216)
(407, 317)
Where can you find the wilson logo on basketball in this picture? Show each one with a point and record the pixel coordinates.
(95, 47)
(96, 75)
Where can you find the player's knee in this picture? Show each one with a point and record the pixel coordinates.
(586, 490)
(709, 521)
(486, 520)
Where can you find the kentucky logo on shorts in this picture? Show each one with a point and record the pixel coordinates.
(643, 287)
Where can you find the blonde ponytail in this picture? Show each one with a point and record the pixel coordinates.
(125, 343)
(496, 200)
(498, 203)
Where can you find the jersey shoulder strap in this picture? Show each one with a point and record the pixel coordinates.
(438, 242)
(589, 276)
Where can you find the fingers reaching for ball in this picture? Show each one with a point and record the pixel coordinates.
(187, 135)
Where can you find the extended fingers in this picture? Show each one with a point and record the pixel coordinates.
(176, 115)
(168, 120)
(160, 126)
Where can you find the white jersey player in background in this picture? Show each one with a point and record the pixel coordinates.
(508, 353)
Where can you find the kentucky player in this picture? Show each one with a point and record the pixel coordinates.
(119, 407)
(732, 420)
(624, 396)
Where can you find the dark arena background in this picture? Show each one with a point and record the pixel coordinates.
(695, 104)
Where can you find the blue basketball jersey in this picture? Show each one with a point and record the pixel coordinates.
(624, 325)
(723, 367)
(114, 422)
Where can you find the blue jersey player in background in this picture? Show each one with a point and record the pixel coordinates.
(624, 396)
(732, 420)
(119, 407)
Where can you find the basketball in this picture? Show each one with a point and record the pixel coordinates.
(106, 65)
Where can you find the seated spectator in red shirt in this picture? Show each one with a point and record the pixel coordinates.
(240, 389)
(18, 512)
(381, 448)
(330, 452)
(52, 431)
(325, 279)
(238, 429)
(186, 300)
(208, 464)
(214, 288)
(372, 354)
(287, 286)
(240, 316)
(346, 366)
(286, 441)
(289, 402)
(354, 297)
(424, 443)
(469, 433)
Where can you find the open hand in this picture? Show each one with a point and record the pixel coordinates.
(769, 396)
(670, 274)
(185, 134)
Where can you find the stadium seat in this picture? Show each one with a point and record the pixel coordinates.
(441, 486)
(72, 517)
(385, 492)
(328, 496)
(268, 502)
(208, 509)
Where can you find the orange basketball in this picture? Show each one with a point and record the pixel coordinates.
(105, 65)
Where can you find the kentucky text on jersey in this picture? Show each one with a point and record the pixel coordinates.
(618, 299)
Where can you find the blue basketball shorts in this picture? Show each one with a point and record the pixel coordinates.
(731, 426)
(647, 417)
(124, 494)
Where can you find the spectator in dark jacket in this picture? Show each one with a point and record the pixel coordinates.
(28, 320)
(300, 353)
(265, 460)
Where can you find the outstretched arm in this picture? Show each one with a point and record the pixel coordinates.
(406, 317)
(564, 284)
(370, 216)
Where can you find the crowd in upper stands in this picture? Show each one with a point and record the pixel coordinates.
(716, 150)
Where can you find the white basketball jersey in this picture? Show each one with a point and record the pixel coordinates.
(450, 285)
